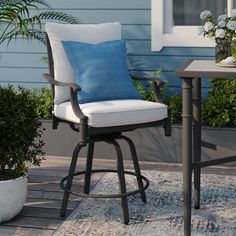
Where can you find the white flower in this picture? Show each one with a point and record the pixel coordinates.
(221, 24)
(223, 28)
(233, 13)
(201, 30)
(222, 17)
(205, 14)
(231, 25)
(208, 26)
(220, 33)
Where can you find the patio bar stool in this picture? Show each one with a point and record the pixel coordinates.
(94, 94)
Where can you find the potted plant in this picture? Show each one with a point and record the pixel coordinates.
(21, 143)
(223, 31)
(20, 129)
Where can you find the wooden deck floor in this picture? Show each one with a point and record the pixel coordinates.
(40, 215)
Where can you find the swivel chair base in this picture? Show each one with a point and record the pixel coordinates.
(66, 182)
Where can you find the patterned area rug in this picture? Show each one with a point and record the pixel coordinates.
(162, 214)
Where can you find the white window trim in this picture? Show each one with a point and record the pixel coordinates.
(179, 36)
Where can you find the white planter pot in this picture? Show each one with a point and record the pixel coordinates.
(12, 197)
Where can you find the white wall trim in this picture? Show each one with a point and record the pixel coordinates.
(179, 36)
(157, 24)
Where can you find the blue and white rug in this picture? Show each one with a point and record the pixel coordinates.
(162, 215)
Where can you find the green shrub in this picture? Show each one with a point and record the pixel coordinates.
(44, 103)
(219, 108)
(174, 102)
(20, 132)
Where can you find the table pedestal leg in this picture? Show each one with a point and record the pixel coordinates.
(197, 138)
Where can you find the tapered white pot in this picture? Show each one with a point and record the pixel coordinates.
(12, 197)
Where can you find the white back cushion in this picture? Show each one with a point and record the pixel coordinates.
(85, 33)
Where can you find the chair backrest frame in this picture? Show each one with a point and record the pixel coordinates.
(50, 64)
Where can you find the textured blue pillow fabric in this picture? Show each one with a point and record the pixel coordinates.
(101, 70)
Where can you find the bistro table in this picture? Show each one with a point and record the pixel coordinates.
(191, 74)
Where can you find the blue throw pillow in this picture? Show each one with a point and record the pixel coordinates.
(101, 70)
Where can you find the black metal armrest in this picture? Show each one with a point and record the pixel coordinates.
(51, 80)
(157, 83)
(74, 88)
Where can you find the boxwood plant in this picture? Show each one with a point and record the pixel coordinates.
(219, 108)
(20, 132)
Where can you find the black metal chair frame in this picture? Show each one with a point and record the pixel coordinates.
(90, 135)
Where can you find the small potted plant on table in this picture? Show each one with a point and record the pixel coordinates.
(223, 31)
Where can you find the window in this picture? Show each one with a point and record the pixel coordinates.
(176, 22)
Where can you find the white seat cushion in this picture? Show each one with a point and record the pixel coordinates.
(114, 112)
(85, 33)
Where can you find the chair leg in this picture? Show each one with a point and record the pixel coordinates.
(197, 186)
(70, 179)
(167, 126)
(136, 166)
(121, 176)
(89, 163)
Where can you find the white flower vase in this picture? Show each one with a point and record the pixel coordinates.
(223, 49)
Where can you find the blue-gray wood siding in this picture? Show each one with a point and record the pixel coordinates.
(20, 61)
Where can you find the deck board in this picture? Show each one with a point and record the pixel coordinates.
(40, 215)
(24, 231)
(50, 213)
(34, 222)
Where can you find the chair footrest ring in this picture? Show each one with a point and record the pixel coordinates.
(105, 195)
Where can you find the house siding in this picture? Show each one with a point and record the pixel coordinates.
(20, 61)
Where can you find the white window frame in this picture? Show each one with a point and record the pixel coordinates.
(177, 36)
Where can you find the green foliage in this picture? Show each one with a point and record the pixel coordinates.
(16, 19)
(44, 103)
(146, 92)
(219, 109)
(175, 104)
(20, 132)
